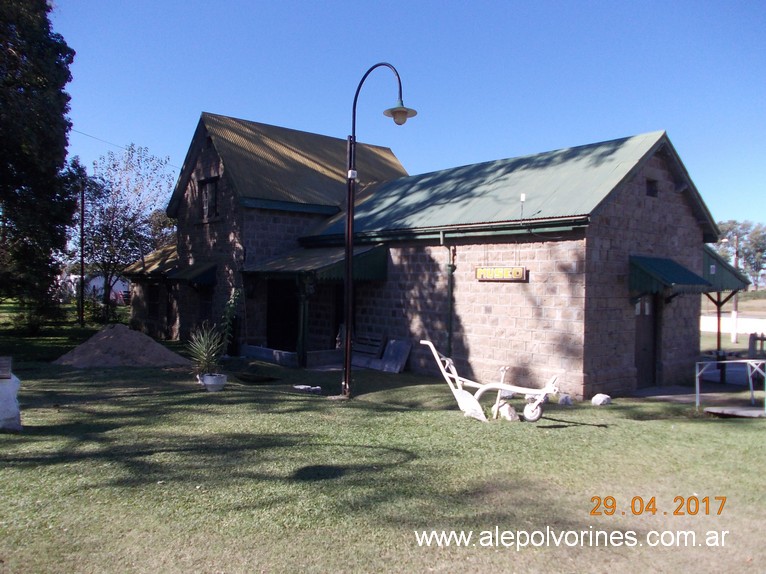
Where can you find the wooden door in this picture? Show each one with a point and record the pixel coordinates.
(646, 342)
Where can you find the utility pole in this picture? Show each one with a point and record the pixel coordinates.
(81, 303)
(735, 305)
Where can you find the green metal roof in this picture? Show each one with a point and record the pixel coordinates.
(720, 273)
(196, 274)
(279, 166)
(560, 186)
(326, 264)
(660, 275)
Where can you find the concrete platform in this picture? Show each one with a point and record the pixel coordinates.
(747, 412)
(712, 395)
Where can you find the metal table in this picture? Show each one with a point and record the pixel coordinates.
(754, 367)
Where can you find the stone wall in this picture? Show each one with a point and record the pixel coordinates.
(211, 237)
(535, 327)
(631, 222)
(232, 237)
(266, 234)
(573, 318)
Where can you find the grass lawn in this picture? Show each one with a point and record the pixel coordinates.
(139, 470)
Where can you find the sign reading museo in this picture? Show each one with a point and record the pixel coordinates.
(501, 273)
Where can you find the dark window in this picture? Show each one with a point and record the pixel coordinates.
(652, 189)
(209, 193)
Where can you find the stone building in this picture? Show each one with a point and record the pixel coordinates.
(246, 192)
(583, 262)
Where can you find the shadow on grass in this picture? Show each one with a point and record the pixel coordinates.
(549, 422)
(136, 433)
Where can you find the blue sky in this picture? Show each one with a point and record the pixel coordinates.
(490, 79)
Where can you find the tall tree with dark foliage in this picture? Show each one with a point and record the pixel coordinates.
(36, 202)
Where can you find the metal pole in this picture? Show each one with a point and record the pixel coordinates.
(349, 235)
(81, 306)
(349, 262)
(735, 307)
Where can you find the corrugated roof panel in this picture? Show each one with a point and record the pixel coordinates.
(326, 263)
(559, 184)
(158, 262)
(658, 275)
(281, 164)
(722, 275)
(196, 274)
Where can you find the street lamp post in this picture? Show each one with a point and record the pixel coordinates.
(400, 114)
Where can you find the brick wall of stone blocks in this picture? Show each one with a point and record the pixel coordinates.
(215, 238)
(630, 222)
(322, 331)
(266, 234)
(574, 318)
(234, 237)
(535, 327)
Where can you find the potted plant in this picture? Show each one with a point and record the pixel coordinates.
(206, 346)
(208, 343)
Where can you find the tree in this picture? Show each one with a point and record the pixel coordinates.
(749, 241)
(126, 190)
(36, 202)
(754, 251)
(162, 228)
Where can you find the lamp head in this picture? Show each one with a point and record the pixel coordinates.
(399, 113)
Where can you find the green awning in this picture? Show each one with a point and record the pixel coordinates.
(325, 264)
(660, 275)
(195, 274)
(720, 273)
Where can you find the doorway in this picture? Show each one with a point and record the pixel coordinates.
(646, 341)
(282, 315)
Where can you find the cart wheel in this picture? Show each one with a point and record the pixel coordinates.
(532, 413)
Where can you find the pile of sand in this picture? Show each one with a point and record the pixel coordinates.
(118, 346)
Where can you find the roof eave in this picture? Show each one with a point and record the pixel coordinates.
(519, 227)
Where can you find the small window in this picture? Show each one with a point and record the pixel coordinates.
(652, 189)
(209, 194)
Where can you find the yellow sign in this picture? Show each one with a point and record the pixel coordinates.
(501, 273)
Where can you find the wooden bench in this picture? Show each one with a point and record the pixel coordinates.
(371, 346)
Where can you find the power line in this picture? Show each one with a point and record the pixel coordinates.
(111, 143)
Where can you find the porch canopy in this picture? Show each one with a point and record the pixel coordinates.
(201, 274)
(720, 273)
(724, 277)
(649, 275)
(325, 264)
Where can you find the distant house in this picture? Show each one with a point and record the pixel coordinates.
(94, 287)
(576, 262)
